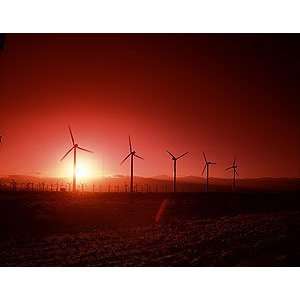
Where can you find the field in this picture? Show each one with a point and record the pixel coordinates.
(149, 229)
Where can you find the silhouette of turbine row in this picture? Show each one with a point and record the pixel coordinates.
(132, 154)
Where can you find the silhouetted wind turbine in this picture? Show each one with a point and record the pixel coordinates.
(74, 149)
(174, 167)
(0, 139)
(234, 168)
(132, 154)
(206, 167)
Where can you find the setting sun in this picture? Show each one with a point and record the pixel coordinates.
(87, 168)
(83, 172)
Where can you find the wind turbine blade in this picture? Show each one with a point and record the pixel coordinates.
(66, 154)
(85, 150)
(228, 168)
(73, 142)
(182, 155)
(125, 159)
(236, 172)
(204, 169)
(130, 146)
(171, 154)
(137, 156)
(204, 157)
(212, 163)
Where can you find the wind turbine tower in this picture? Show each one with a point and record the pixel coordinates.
(132, 154)
(234, 168)
(206, 167)
(74, 149)
(174, 158)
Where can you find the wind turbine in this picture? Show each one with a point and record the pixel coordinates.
(234, 168)
(206, 167)
(132, 154)
(174, 167)
(74, 149)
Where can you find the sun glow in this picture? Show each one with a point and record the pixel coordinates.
(86, 169)
(83, 172)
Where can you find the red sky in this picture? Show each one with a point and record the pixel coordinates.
(223, 94)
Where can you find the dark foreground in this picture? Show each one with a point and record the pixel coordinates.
(218, 229)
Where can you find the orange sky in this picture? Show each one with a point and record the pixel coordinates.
(224, 95)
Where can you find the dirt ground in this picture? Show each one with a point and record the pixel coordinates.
(54, 229)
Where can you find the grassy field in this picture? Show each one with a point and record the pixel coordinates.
(154, 229)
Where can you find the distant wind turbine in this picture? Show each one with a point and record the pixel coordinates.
(74, 149)
(174, 167)
(132, 154)
(0, 139)
(206, 167)
(234, 168)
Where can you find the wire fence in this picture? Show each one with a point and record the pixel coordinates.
(96, 188)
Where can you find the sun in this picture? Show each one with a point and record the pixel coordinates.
(82, 172)
(87, 169)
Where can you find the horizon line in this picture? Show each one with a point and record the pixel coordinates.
(156, 177)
